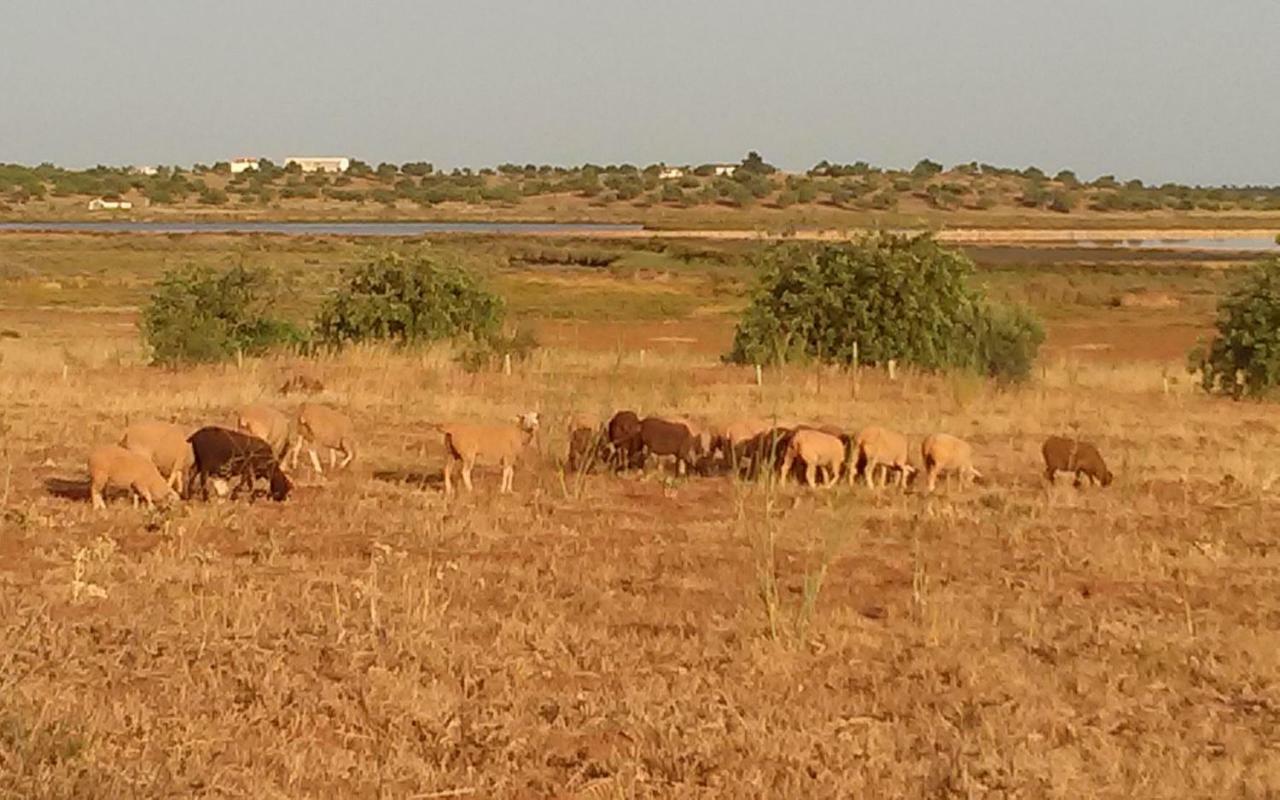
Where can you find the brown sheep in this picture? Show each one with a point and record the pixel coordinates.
(165, 444)
(1072, 455)
(112, 465)
(268, 424)
(326, 427)
(881, 447)
(817, 449)
(665, 437)
(588, 446)
(467, 444)
(764, 452)
(942, 452)
(623, 432)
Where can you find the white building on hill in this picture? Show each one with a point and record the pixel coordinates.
(667, 173)
(319, 163)
(109, 204)
(243, 163)
(725, 170)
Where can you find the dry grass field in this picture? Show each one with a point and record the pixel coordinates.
(641, 635)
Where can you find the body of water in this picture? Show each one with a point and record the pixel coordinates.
(319, 228)
(1234, 243)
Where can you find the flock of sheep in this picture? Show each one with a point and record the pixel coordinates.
(160, 462)
(752, 447)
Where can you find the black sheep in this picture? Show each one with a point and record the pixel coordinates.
(225, 454)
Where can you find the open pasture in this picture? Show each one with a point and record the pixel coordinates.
(640, 635)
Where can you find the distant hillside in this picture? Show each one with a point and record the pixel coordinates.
(749, 192)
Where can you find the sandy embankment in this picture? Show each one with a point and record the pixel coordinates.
(1027, 236)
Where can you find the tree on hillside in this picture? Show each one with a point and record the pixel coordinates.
(756, 165)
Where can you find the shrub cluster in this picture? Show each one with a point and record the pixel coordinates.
(881, 298)
(1243, 359)
(198, 314)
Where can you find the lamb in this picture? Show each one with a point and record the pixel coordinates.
(468, 444)
(623, 433)
(222, 454)
(1072, 455)
(943, 452)
(326, 427)
(816, 449)
(112, 465)
(165, 445)
(881, 447)
(664, 437)
(267, 424)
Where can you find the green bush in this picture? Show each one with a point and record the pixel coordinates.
(1247, 343)
(894, 297)
(408, 299)
(198, 314)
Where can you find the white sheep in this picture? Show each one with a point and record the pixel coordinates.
(728, 438)
(881, 447)
(943, 452)
(268, 424)
(112, 465)
(165, 445)
(320, 425)
(816, 449)
(501, 444)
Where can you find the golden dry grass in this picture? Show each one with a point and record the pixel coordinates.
(639, 636)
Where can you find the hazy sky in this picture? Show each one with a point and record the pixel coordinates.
(1159, 89)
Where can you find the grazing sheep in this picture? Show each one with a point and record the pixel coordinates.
(881, 447)
(165, 445)
(665, 437)
(816, 449)
(623, 432)
(501, 444)
(1072, 455)
(765, 451)
(729, 439)
(302, 383)
(326, 427)
(222, 454)
(587, 447)
(267, 424)
(943, 452)
(112, 465)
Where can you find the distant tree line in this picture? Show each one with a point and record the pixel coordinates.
(751, 181)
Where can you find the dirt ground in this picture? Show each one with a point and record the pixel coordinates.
(645, 634)
(640, 635)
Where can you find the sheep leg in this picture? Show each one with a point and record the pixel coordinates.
(787, 461)
(448, 476)
(508, 477)
(95, 495)
(333, 459)
(315, 460)
(466, 474)
(1049, 474)
(348, 457)
(811, 474)
(933, 479)
(833, 475)
(297, 451)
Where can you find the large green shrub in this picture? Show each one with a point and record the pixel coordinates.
(1244, 356)
(199, 314)
(408, 299)
(891, 297)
